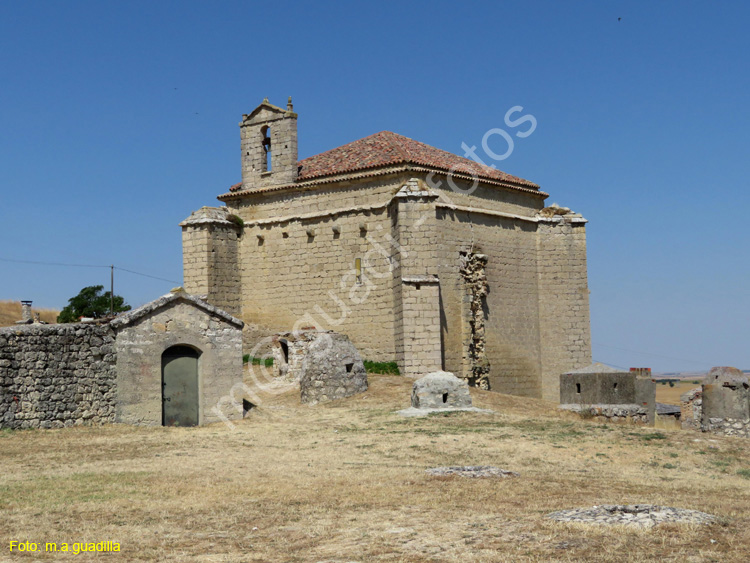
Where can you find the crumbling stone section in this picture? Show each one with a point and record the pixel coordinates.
(440, 390)
(634, 515)
(56, 375)
(691, 406)
(728, 427)
(331, 369)
(472, 471)
(476, 366)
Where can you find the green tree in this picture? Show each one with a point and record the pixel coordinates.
(91, 302)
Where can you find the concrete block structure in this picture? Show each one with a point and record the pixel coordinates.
(608, 393)
(420, 256)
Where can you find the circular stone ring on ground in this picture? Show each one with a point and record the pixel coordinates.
(636, 515)
(474, 471)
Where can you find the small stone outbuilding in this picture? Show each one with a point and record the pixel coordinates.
(176, 358)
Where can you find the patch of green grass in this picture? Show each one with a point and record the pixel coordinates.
(248, 359)
(744, 473)
(383, 368)
(669, 466)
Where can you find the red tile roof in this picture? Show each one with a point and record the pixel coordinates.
(388, 149)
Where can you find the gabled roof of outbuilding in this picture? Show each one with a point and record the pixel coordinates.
(136, 314)
(386, 149)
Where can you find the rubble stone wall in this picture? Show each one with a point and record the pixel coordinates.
(57, 375)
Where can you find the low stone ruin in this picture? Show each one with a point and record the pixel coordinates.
(608, 394)
(721, 405)
(326, 364)
(439, 391)
(634, 515)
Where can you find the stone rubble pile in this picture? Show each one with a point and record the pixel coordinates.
(474, 471)
(636, 515)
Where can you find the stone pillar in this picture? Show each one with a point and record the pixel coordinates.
(26, 311)
(564, 330)
(210, 240)
(418, 335)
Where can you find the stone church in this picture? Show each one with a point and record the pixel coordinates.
(418, 255)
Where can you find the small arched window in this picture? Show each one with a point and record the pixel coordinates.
(266, 164)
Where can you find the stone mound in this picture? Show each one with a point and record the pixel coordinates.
(440, 390)
(636, 515)
(474, 471)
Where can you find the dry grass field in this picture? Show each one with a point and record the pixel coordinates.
(671, 395)
(10, 312)
(346, 482)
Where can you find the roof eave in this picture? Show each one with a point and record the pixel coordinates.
(349, 175)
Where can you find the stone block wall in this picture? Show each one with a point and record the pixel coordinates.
(210, 255)
(57, 375)
(564, 331)
(511, 306)
(299, 269)
(691, 409)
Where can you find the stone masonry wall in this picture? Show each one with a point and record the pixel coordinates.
(56, 375)
(210, 252)
(141, 344)
(299, 269)
(564, 330)
(420, 349)
(511, 305)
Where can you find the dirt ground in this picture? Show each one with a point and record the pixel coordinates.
(346, 482)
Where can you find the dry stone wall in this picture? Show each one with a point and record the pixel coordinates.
(57, 375)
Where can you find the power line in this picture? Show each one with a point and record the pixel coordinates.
(146, 275)
(654, 355)
(65, 264)
(52, 263)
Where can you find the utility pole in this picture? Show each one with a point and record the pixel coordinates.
(112, 290)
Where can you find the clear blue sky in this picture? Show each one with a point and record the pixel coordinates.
(117, 119)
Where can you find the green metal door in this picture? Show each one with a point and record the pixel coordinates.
(179, 381)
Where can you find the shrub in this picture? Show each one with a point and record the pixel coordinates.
(384, 368)
(248, 359)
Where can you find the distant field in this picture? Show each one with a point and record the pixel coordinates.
(671, 395)
(10, 312)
